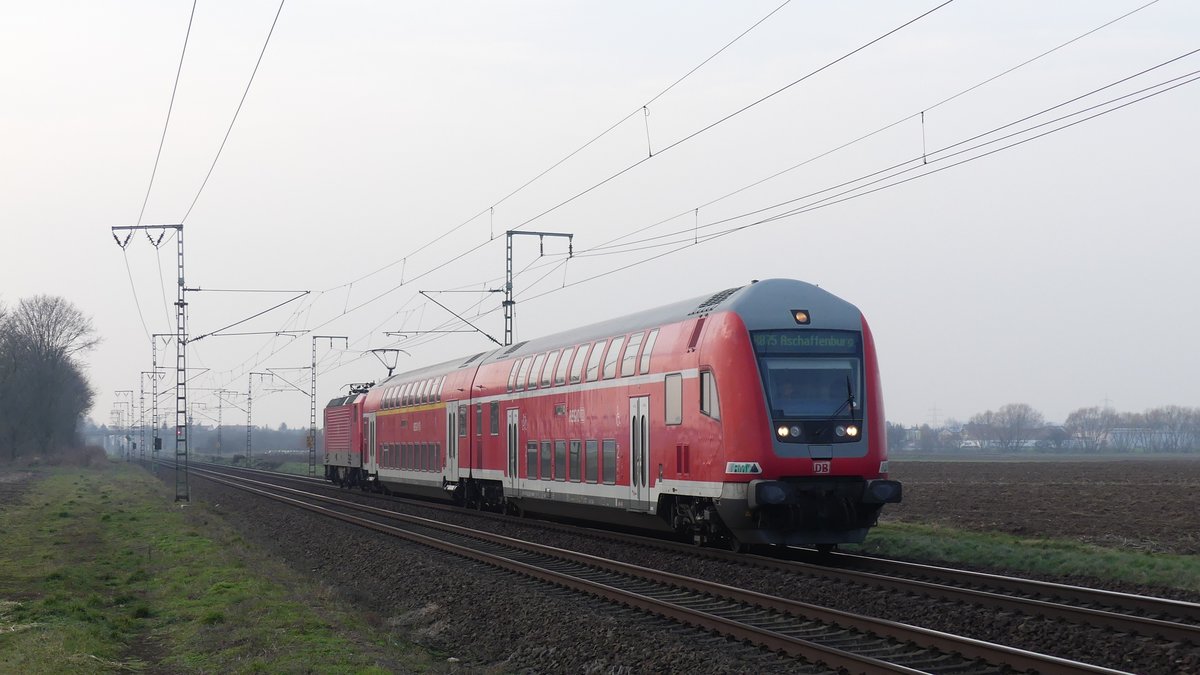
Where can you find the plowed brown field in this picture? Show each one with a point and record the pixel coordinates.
(1137, 504)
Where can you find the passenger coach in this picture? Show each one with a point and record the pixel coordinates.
(751, 416)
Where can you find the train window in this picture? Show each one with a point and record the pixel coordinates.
(494, 415)
(560, 460)
(551, 364)
(649, 347)
(531, 459)
(427, 392)
(609, 462)
(614, 353)
(419, 393)
(574, 461)
(593, 368)
(404, 456)
(538, 362)
(437, 457)
(462, 420)
(437, 390)
(560, 373)
(577, 365)
(525, 363)
(512, 375)
(478, 419)
(673, 399)
(629, 362)
(709, 405)
(547, 460)
(592, 461)
(406, 394)
(385, 456)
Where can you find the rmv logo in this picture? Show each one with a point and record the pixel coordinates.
(743, 467)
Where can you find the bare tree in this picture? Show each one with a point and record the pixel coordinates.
(1090, 425)
(43, 391)
(1017, 423)
(53, 327)
(982, 427)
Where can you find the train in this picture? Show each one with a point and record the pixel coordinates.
(746, 417)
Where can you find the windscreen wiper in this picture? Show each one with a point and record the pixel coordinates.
(848, 402)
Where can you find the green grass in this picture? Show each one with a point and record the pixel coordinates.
(100, 571)
(1041, 556)
(299, 468)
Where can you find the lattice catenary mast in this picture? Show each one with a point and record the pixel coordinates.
(181, 339)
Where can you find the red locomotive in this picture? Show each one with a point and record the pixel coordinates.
(752, 416)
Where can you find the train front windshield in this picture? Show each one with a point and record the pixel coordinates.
(810, 373)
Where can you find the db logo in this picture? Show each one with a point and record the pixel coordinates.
(824, 467)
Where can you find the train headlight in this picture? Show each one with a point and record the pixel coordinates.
(782, 431)
(801, 316)
(840, 431)
(852, 431)
(795, 431)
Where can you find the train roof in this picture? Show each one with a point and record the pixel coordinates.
(757, 302)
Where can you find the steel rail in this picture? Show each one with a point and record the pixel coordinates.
(928, 639)
(1108, 609)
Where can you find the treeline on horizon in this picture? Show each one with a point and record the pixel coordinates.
(1019, 427)
(227, 440)
(44, 393)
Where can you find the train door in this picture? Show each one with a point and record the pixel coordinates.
(639, 451)
(452, 423)
(370, 464)
(514, 449)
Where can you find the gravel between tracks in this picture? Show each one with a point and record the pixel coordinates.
(443, 602)
(493, 621)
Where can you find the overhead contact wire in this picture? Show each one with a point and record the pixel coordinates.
(236, 112)
(602, 134)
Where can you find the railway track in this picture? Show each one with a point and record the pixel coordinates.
(837, 639)
(1160, 618)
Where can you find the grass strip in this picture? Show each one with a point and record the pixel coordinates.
(100, 570)
(1054, 557)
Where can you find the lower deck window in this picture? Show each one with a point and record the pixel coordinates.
(547, 461)
(574, 462)
(560, 460)
(592, 461)
(531, 459)
(610, 461)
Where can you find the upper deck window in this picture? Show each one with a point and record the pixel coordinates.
(629, 361)
(593, 367)
(610, 361)
(523, 372)
(538, 362)
(650, 339)
(548, 371)
(512, 375)
(560, 373)
(577, 365)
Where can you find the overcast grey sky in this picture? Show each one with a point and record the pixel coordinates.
(1059, 272)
